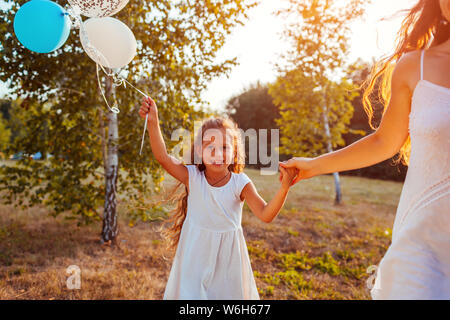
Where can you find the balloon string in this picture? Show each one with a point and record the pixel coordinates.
(143, 134)
(117, 80)
(114, 108)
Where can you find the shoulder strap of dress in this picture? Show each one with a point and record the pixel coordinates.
(421, 64)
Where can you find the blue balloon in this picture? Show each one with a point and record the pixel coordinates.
(42, 25)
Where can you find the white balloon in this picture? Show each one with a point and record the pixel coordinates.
(99, 8)
(114, 43)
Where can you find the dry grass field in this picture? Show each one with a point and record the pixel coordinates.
(312, 250)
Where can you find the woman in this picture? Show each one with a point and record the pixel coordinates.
(415, 124)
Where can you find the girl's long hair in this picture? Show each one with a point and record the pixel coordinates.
(172, 233)
(422, 24)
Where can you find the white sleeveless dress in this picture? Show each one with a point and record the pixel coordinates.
(211, 261)
(417, 263)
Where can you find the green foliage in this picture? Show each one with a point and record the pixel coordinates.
(256, 250)
(15, 118)
(144, 210)
(300, 261)
(295, 260)
(301, 110)
(290, 278)
(327, 264)
(63, 114)
(268, 291)
(253, 108)
(294, 280)
(5, 135)
(293, 232)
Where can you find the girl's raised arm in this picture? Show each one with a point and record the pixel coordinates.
(172, 165)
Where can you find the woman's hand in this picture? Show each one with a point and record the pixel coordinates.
(304, 168)
(149, 106)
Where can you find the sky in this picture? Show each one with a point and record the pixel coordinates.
(258, 45)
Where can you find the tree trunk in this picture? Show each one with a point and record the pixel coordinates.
(110, 228)
(337, 183)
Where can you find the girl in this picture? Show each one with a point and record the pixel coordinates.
(415, 123)
(211, 259)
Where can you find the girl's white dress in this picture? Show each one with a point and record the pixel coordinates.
(211, 260)
(417, 263)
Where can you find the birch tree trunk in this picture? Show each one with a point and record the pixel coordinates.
(110, 228)
(337, 183)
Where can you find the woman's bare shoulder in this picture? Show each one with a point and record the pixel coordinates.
(407, 70)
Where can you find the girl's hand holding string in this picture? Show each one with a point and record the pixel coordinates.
(171, 164)
(149, 107)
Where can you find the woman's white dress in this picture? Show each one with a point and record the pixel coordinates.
(417, 263)
(211, 260)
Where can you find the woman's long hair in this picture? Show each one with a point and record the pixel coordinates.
(423, 23)
(172, 234)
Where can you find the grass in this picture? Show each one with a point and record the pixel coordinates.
(312, 250)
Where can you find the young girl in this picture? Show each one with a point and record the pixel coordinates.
(416, 124)
(211, 259)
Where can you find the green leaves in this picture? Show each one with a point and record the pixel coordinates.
(64, 115)
(301, 113)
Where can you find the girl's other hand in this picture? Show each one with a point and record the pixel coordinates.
(149, 106)
(287, 176)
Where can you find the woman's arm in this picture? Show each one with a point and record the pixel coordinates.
(383, 144)
(268, 211)
(172, 165)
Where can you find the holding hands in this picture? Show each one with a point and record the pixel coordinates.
(303, 168)
(287, 176)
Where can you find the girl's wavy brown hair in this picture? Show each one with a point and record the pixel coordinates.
(172, 233)
(422, 24)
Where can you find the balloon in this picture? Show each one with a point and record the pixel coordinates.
(42, 26)
(114, 43)
(99, 8)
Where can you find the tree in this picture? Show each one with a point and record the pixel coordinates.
(95, 152)
(315, 109)
(5, 135)
(5, 105)
(15, 122)
(253, 108)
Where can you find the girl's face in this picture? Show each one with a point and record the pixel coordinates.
(445, 8)
(217, 149)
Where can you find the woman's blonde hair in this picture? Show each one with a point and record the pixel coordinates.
(172, 234)
(422, 23)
